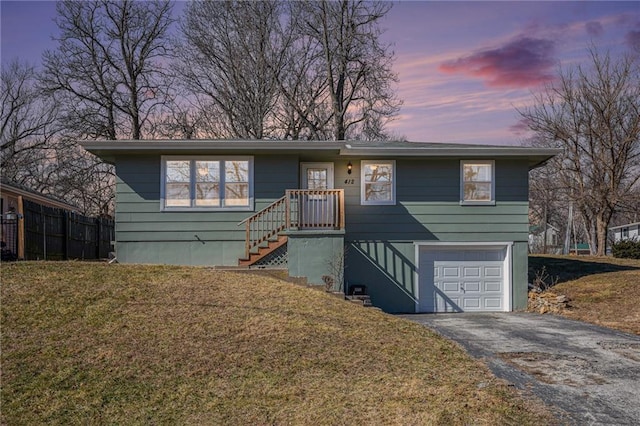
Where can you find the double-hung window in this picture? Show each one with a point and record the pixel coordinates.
(378, 182)
(477, 182)
(207, 183)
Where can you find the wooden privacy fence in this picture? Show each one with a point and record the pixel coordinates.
(58, 234)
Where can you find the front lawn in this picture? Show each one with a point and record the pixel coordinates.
(603, 290)
(87, 343)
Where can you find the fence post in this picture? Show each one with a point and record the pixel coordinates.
(21, 229)
(65, 232)
(98, 224)
(43, 217)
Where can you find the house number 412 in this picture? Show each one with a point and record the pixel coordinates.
(349, 181)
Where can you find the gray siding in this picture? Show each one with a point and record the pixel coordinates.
(428, 205)
(145, 234)
(519, 276)
(379, 240)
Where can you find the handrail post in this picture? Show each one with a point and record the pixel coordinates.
(247, 240)
(341, 204)
(287, 202)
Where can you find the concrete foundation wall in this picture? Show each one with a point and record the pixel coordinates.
(314, 254)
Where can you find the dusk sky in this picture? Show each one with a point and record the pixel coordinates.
(463, 66)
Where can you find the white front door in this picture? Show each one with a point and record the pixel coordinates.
(317, 210)
(316, 175)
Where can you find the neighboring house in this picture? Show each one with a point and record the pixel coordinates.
(425, 227)
(12, 194)
(12, 198)
(629, 231)
(537, 243)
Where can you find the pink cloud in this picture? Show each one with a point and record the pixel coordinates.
(633, 39)
(594, 28)
(523, 62)
(521, 127)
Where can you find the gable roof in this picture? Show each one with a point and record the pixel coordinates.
(108, 149)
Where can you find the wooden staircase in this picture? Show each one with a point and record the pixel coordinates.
(264, 230)
(263, 251)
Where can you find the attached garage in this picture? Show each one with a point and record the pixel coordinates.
(463, 277)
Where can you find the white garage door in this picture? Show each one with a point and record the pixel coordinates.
(461, 280)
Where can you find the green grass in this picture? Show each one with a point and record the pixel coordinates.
(89, 343)
(603, 290)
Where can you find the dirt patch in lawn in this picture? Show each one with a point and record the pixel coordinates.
(95, 343)
(555, 368)
(603, 291)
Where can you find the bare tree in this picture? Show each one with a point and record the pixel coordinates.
(298, 70)
(230, 56)
(82, 179)
(27, 123)
(546, 206)
(593, 114)
(303, 112)
(108, 77)
(354, 63)
(107, 72)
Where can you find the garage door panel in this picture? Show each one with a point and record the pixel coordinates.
(492, 302)
(493, 271)
(450, 271)
(450, 286)
(453, 280)
(471, 271)
(471, 303)
(472, 286)
(493, 286)
(448, 304)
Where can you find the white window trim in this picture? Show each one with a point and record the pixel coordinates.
(221, 158)
(391, 202)
(492, 201)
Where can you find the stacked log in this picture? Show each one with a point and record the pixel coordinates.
(547, 302)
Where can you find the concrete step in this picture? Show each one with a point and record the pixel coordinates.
(360, 299)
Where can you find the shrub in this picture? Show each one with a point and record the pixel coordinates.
(629, 249)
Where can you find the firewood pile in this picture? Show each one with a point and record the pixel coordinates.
(547, 302)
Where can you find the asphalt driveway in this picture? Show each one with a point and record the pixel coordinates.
(589, 374)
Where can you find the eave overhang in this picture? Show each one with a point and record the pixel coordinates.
(109, 149)
(535, 156)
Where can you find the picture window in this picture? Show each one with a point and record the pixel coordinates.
(207, 183)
